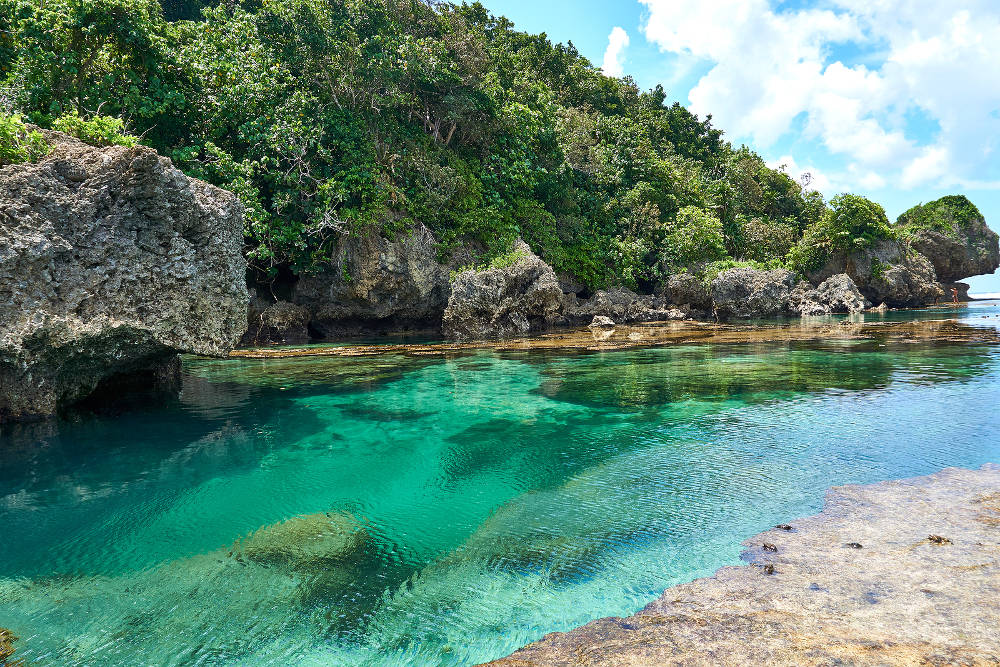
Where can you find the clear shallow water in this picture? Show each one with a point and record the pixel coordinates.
(467, 504)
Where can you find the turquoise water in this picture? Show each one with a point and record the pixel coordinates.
(450, 508)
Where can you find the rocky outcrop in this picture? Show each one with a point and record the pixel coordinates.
(855, 585)
(888, 271)
(376, 284)
(961, 288)
(686, 289)
(275, 322)
(620, 305)
(111, 262)
(952, 234)
(836, 294)
(743, 293)
(506, 301)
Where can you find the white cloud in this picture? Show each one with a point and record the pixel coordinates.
(614, 55)
(774, 70)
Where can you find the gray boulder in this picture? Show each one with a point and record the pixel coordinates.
(687, 289)
(377, 284)
(504, 301)
(952, 234)
(621, 305)
(743, 293)
(111, 262)
(276, 322)
(889, 271)
(601, 322)
(836, 294)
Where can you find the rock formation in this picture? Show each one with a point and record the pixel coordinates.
(854, 585)
(836, 294)
(504, 301)
(279, 321)
(952, 234)
(687, 289)
(376, 284)
(746, 293)
(111, 262)
(621, 305)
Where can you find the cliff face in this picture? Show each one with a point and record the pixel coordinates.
(111, 262)
(953, 235)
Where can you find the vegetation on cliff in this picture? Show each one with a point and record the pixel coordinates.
(348, 116)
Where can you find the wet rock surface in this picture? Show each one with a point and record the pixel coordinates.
(505, 301)
(111, 262)
(374, 284)
(853, 585)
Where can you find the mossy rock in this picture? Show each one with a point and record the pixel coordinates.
(311, 540)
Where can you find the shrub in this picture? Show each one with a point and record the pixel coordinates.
(940, 215)
(695, 236)
(18, 144)
(851, 224)
(98, 131)
(765, 240)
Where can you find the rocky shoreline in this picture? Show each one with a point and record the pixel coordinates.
(854, 585)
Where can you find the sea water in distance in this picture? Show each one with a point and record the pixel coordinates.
(445, 510)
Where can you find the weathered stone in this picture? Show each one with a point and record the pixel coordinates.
(687, 289)
(276, 322)
(621, 305)
(374, 284)
(836, 294)
(953, 235)
(962, 288)
(901, 599)
(888, 271)
(309, 541)
(601, 322)
(745, 293)
(504, 301)
(111, 262)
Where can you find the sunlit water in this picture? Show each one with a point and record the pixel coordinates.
(472, 502)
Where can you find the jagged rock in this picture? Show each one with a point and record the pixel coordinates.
(620, 305)
(888, 271)
(963, 291)
(378, 284)
(601, 322)
(276, 322)
(111, 262)
(952, 234)
(687, 289)
(881, 308)
(836, 294)
(504, 301)
(745, 293)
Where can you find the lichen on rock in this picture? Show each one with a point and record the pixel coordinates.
(112, 262)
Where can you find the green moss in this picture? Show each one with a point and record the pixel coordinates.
(18, 144)
(944, 215)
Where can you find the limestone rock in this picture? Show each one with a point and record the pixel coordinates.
(111, 262)
(746, 293)
(963, 291)
(687, 289)
(377, 284)
(836, 294)
(888, 271)
(276, 322)
(953, 235)
(504, 301)
(601, 322)
(620, 305)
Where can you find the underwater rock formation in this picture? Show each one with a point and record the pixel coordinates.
(746, 293)
(112, 262)
(310, 540)
(952, 234)
(852, 585)
(504, 301)
(375, 284)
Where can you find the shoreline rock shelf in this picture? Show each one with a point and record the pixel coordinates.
(852, 585)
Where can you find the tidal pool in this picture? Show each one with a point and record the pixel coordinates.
(405, 509)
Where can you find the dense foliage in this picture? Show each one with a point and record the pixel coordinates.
(331, 117)
(851, 223)
(19, 144)
(941, 215)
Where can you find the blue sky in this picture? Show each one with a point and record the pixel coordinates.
(899, 101)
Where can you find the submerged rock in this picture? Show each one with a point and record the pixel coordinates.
(504, 301)
(376, 284)
(836, 294)
(952, 234)
(744, 293)
(7, 640)
(904, 598)
(112, 262)
(308, 541)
